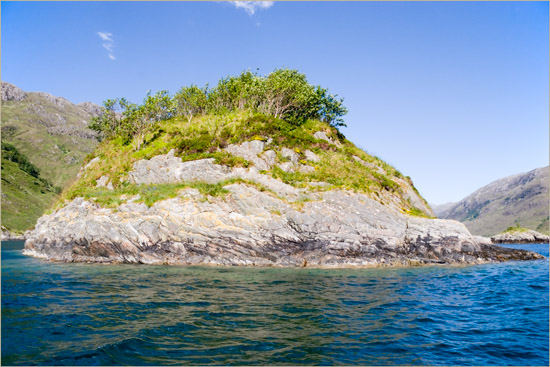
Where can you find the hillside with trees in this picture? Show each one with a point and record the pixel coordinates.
(284, 94)
(281, 109)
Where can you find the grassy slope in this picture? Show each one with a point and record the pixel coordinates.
(205, 136)
(54, 137)
(24, 197)
(59, 156)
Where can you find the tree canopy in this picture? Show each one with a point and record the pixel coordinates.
(284, 94)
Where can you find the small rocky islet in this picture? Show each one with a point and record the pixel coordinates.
(248, 188)
(260, 221)
(523, 236)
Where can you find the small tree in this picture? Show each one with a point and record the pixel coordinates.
(330, 109)
(191, 101)
(289, 96)
(108, 124)
(138, 120)
(158, 107)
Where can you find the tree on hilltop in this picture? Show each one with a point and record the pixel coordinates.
(284, 94)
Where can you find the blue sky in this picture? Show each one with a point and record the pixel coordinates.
(454, 94)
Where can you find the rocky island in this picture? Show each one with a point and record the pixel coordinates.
(253, 172)
(519, 234)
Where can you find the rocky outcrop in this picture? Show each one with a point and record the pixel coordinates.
(250, 150)
(321, 135)
(520, 237)
(91, 108)
(280, 226)
(11, 93)
(8, 235)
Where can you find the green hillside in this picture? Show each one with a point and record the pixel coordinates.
(53, 136)
(25, 195)
(51, 131)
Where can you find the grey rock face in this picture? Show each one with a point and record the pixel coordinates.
(280, 226)
(290, 154)
(270, 158)
(287, 166)
(483, 240)
(9, 236)
(250, 150)
(58, 101)
(304, 168)
(11, 93)
(103, 181)
(321, 135)
(91, 108)
(251, 227)
(310, 156)
(88, 165)
(167, 168)
(521, 237)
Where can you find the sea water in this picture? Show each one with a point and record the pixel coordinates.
(85, 314)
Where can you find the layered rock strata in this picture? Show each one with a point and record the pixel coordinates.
(273, 224)
(521, 237)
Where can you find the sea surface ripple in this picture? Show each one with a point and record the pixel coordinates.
(83, 314)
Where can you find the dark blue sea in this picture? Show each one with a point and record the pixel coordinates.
(82, 314)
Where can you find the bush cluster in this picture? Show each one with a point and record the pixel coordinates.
(11, 153)
(284, 94)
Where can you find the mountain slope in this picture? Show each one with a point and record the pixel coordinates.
(52, 134)
(24, 196)
(521, 198)
(51, 131)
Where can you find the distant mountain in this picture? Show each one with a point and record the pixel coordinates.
(52, 134)
(521, 198)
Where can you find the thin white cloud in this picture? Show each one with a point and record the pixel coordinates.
(108, 43)
(251, 6)
(106, 36)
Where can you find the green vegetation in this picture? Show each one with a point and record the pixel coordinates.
(207, 135)
(198, 123)
(25, 195)
(284, 94)
(543, 226)
(416, 212)
(11, 153)
(149, 194)
(516, 228)
(54, 138)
